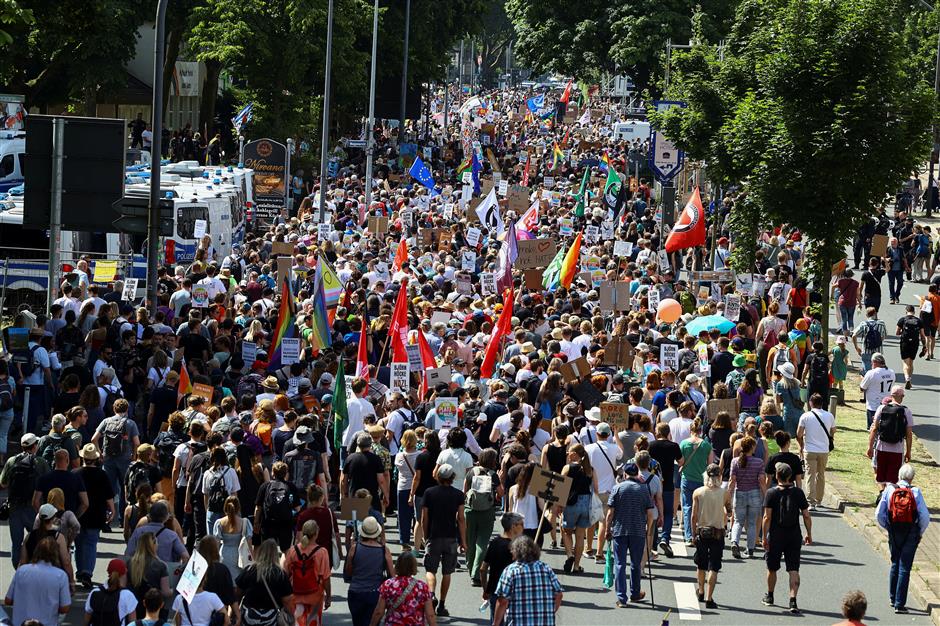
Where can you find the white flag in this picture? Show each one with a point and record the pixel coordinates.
(585, 118)
(488, 212)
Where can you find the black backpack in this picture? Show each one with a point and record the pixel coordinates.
(303, 466)
(872, 336)
(104, 607)
(910, 330)
(166, 444)
(788, 510)
(113, 338)
(892, 423)
(109, 398)
(218, 493)
(278, 508)
(22, 481)
(137, 474)
(197, 465)
(30, 366)
(819, 370)
(114, 434)
(6, 395)
(50, 445)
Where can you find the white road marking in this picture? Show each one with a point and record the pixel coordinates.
(687, 602)
(678, 543)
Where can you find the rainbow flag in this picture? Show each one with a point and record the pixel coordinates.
(332, 286)
(605, 161)
(556, 155)
(285, 325)
(569, 267)
(320, 337)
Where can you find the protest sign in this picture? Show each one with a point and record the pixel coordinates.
(587, 394)
(623, 248)
(399, 378)
(551, 487)
(669, 356)
(575, 369)
(130, 289)
(354, 508)
(879, 245)
(203, 391)
(619, 352)
(105, 271)
(468, 261)
(715, 407)
(200, 297)
(378, 224)
(488, 283)
(532, 279)
(415, 364)
(281, 248)
(192, 576)
(592, 233)
(535, 253)
(290, 350)
(732, 307)
(249, 352)
(440, 317)
(517, 197)
(438, 375)
(617, 414)
(654, 296)
(446, 409)
(614, 296)
(199, 229)
(473, 236)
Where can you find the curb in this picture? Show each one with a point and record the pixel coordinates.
(863, 521)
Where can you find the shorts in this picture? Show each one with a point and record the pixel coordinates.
(887, 465)
(708, 554)
(909, 349)
(789, 548)
(930, 331)
(578, 515)
(441, 552)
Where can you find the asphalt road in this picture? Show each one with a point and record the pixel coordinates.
(837, 562)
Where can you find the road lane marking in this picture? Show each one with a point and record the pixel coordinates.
(687, 602)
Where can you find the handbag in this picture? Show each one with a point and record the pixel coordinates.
(244, 547)
(284, 617)
(832, 444)
(597, 509)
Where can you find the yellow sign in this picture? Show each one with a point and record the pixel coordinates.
(105, 271)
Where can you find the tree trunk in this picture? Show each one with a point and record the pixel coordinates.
(90, 103)
(172, 53)
(210, 89)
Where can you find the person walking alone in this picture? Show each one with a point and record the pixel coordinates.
(629, 514)
(816, 436)
(711, 506)
(783, 507)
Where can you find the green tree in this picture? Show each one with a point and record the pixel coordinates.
(11, 13)
(815, 107)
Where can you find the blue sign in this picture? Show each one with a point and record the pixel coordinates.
(664, 158)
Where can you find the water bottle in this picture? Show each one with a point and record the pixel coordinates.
(485, 607)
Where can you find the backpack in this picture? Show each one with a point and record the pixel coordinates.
(278, 508)
(872, 336)
(303, 466)
(910, 330)
(6, 395)
(30, 366)
(902, 507)
(481, 496)
(22, 481)
(892, 423)
(770, 336)
(194, 469)
(50, 445)
(788, 510)
(166, 444)
(248, 385)
(217, 493)
(113, 338)
(819, 370)
(114, 436)
(104, 607)
(109, 398)
(137, 474)
(687, 300)
(303, 575)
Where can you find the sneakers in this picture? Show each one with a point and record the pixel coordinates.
(736, 551)
(749, 554)
(768, 599)
(794, 609)
(900, 609)
(666, 549)
(711, 604)
(701, 596)
(442, 611)
(908, 385)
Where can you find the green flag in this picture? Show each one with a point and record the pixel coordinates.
(550, 277)
(340, 410)
(612, 188)
(582, 193)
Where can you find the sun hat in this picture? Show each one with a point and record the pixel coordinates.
(370, 528)
(90, 452)
(270, 383)
(787, 370)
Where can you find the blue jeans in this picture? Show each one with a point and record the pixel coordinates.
(116, 470)
(406, 516)
(747, 506)
(895, 283)
(6, 420)
(903, 546)
(688, 487)
(668, 502)
(210, 520)
(866, 362)
(361, 606)
(21, 521)
(86, 550)
(635, 544)
(847, 315)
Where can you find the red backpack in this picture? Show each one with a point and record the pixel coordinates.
(902, 507)
(303, 574)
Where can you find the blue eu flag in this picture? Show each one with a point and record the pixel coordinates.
(419, 171)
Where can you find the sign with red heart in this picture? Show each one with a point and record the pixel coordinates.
(535, 253)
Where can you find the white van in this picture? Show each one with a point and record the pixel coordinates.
(12, 153)
(630, 131)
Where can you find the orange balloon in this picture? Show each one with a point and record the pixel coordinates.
(668, 311)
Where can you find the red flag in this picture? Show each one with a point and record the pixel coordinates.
(525, 173)
(567, 94)
(185, 385)
(501, 329)
(362, 358)
(401, 255)
(689, 230)
(427, 360)
(399, 323)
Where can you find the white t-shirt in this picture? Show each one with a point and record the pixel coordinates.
(395, 425)
(358, 409)
(680, 429)
(503, 424)
(877, 384)
(41, 360)
(126, 605)
(229, 477)
(460, 460)
(602, 468)
(201, 608)
(182, 453)
(814, 436)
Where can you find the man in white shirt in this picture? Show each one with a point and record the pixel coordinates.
(37, 379)
(605, 456)
(394, 421)
(581, 344)
(67, 302)
(211, 282)
(817, 427)
(93, 297)
(876, 385)
(680, 428)
(359, 408)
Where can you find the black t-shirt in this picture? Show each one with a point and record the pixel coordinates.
(497, 557)
(425, 464)
(442, 503)
(70, 483)
(362, 469)
(796, 466)
(872, 283)
(666, 453)
(193, 345)
(278, 439)
(164, 400)
(772, 502)
(99, 492)
(910, 326)
(580, 483)
(255, 595)
(65, 401)
(218, 580)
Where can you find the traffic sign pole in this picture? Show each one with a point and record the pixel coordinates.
(55, 221)
(156, 152)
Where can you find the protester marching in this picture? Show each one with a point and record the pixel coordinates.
(518, 348)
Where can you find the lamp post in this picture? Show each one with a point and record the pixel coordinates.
(156, 150)
(325, 136)
(370, 123)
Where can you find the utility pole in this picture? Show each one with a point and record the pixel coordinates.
(370, 123)
(404, 73)
(55, 218)
(156, 150)
(460, 74)
(325, 136)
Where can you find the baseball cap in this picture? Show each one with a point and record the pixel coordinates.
(603, 429)
(631, 469)
(445, 471)
(47, 511)
(302, 435)
(117, 566)
(28, 440)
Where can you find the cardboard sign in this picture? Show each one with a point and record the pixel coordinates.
(354, 508)
(534, 253)
(415, 364)
(623, 248)
(517, 197)
(192, 576)
(468, 261)
(281, 248)
(290, 350)
(653, 297)
(440, 317)
(532, 279)
(732, 307)
(473, 236)
(199, 229)
(203, 391)
(130, 289)
(378, 224)
(249, 352)
(617, 414)
(669, 356)
(574, 370)
(105, 271)
(488, 283)
(619, 352)
(399, 378)
(715, 407)
(879, 245)
(551, 487)
(587, 394)
(615, 296)
(464, 284)
(438, 375)
(446, 409)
